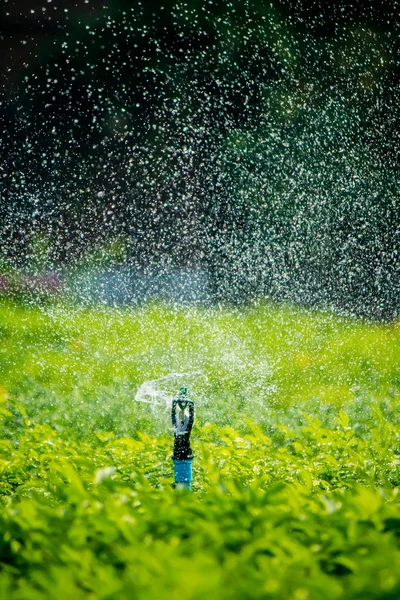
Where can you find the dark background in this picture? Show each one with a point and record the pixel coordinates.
(258, 141)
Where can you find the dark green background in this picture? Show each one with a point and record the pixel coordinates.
(257, 140)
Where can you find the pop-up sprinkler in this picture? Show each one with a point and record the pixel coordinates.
(182, 415)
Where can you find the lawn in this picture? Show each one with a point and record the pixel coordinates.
(296, 440)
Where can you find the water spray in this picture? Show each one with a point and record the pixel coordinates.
(182, 415)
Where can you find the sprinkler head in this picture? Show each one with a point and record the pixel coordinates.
(182, 423)
(182, 400)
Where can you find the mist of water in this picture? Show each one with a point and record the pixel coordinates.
(251, 148)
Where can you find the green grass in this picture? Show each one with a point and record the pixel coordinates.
(297, 455)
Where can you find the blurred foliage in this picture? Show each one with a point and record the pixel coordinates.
(81, 367)
(302, 505)
(257, 139)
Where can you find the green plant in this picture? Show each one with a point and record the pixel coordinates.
(291, 499)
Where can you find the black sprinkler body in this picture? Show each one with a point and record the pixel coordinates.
(182, 416)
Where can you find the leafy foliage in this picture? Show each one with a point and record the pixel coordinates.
(302, 504)
(79, 368)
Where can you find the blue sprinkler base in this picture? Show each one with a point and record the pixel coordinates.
(183, 472)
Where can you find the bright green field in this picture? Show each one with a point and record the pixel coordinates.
(297, 445)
